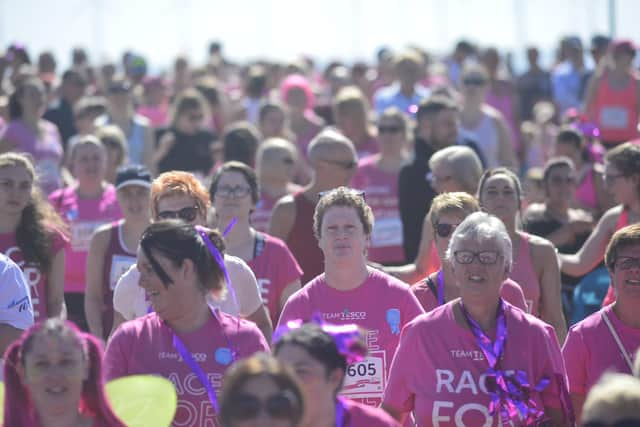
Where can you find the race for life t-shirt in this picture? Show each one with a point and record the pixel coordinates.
(15, 300)
(37, 280)
(382, 305)
(439, 371)
(590, 349)
(84, 216)
(275, 268)
(130, 300)
(145, 346)
(381, 192)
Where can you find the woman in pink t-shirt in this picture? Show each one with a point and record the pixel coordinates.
(53, 376)
(608, 339)
(351, 113)
(32, 234)
(478, 361)
(28, 132)
(377, 176)
(261, 391)
(320, 354)
(87, 205)
(535, 263)
(447, 211)
(183, 339)
(234, 193)
(349, 291)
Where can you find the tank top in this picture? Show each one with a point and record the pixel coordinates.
(586, 191)
(301, 241)
(118, 259)
(485, 135)
(623, 221)
(616, 110)
(525, 275)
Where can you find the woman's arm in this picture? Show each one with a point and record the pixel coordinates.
(506, 153)
(55, 290)
(411, 273)
(262, 320)
(289, 290)
(544, 255)
(592, 252)
(94, 293)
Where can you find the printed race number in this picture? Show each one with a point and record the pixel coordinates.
(366, 379)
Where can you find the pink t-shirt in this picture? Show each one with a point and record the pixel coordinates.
(510, 291)
(145, 346)
(158, 115)
(84, 217)
(45, 148)
(367, 148)
(262, 213)
(275, 267)
(381, 192)
(357, 414)
(382, 305)
(439, 369)
(590, 349)
(37, 280)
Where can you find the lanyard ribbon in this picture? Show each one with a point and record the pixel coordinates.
(511, 393)
(440, 288)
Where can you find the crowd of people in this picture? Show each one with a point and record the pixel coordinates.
(428, 241)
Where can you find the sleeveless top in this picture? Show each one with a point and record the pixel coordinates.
(301, 241)
(524, 274)
(623, 221)
(117, 260)
(616, 110)
(485, 135)
(586, 191)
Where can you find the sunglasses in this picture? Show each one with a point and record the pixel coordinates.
(558, 180)
(247, 406)
(193, 118)
(474, 82)
(348, 165)
(484, 257)
(187, 214)
(287, 161)
(444, 230)
(389, 129)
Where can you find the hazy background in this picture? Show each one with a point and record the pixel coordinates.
(282, 29)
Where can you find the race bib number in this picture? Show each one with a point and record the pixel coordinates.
(81, 233)
(366, 379)
(386, 232)
(120, 264)
(614, 117)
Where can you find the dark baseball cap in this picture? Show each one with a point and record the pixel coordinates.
(133, 175)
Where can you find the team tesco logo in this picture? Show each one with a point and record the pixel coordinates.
(346, 315)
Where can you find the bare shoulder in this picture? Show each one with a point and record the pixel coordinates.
(540, 246)
(285, 204)
(102, 235)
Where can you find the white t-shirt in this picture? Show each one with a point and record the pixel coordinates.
(129, 298)
(15, 298)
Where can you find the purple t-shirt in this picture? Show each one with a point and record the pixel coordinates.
(439, 369)
(84, 216)
(145, 346)
(590, 349)
(45, 148)
(382, 305)
(275, 268)
(381, 192)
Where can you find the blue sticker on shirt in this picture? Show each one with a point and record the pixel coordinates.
(224, 356)
(393, 319)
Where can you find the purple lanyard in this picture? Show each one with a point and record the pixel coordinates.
(512, 393)
(339, 412)
(440, 288)
(196, 369)
(230, 226)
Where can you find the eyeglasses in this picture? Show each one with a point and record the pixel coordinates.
(287, 161)
(247, 406)
(348, 165)
(352, 191)
(237, 192)
(389, 129)
(187, 214)
(193, 118)
(559, 180)
(444, 230)
(484, 257)
(474, 81)
(627, 263)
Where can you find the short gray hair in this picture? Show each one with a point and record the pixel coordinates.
(481, 226)
(464, 164)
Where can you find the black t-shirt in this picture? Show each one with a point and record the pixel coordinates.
(190, 153)
(542, 224)
(61, 114)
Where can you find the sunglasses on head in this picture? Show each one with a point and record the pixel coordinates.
(389, 129)
(247, 406)
(444, 230)
(187, 214)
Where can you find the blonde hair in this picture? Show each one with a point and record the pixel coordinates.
(464, 164)
(455, 202)
(614, 395)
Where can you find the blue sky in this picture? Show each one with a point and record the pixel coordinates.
(282, 29)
